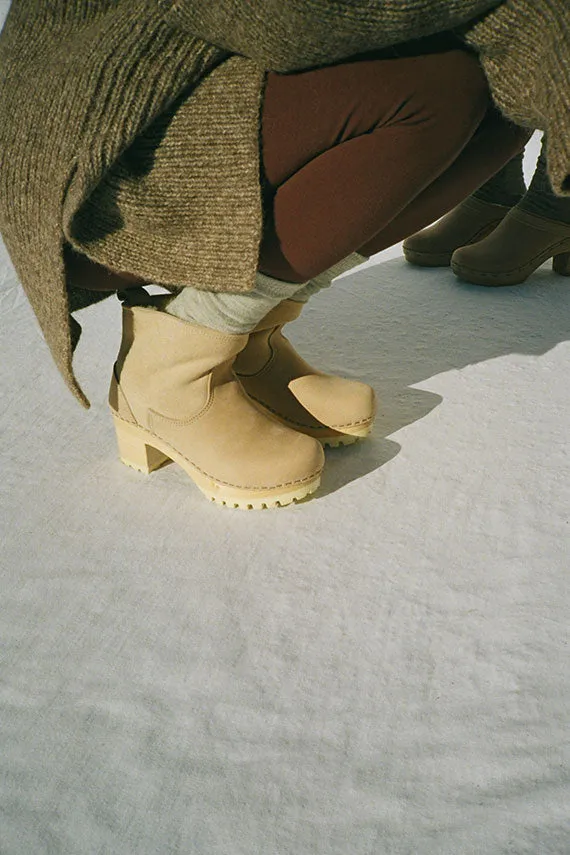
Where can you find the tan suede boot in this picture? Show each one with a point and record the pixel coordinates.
(518, 246)
(469, 222)
(334, 410)
(174, 396)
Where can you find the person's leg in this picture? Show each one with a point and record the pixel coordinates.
(346, 148)
(174, 392)
(494, 143)
(507, 187)
(375, 154)
(540, 199)
(304, 117)
(233, 313)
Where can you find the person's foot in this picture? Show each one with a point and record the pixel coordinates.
(334, 410)
(515, 249)
(467, 223)
(174, 396)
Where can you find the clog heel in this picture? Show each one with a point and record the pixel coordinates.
(135, 450)
(561, 264)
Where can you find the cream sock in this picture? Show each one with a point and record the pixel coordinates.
(240, 313)
(230, 312)
(324, 280)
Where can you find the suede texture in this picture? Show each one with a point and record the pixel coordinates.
(178, 382)
(276, 376)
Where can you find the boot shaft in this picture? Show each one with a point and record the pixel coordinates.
(168, 365)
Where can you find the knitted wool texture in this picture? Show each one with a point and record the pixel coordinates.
(130, 129)
(524, 47)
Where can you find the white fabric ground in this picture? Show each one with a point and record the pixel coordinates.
(382, 670)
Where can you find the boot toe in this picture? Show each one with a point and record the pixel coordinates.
(347, 406)
(429, 248)
(470, 221)
(489, 262)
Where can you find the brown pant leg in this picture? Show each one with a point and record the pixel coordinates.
(494, 144)
(348, 148)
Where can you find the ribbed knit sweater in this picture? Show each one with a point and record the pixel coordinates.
(130, 128)
(524, 47)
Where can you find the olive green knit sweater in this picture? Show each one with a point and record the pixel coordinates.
(130, 127)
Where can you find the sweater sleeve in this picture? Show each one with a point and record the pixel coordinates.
(524, 47)
(296, 34)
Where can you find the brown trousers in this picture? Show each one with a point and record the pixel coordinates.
(359, 155)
